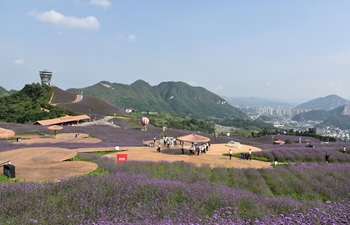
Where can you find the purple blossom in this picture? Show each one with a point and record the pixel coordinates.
(304, 192)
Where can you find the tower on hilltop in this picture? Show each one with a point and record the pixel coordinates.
(45, 77)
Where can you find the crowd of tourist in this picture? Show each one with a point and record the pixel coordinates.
(171, 142)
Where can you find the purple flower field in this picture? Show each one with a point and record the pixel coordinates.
(300, 153)
(180, 193)
(110, 136)
(307, 191)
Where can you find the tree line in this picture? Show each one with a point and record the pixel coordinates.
(182, 123)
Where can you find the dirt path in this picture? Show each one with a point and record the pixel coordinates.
(214, 157)
(48, 163)
(41, 164)
(60, 137)
(78, 99)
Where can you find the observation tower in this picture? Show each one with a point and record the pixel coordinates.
(45, 77)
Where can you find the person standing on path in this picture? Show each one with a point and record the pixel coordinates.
(230, 152)
(191, 150)
(344, 149)
(249, 154)
(159, 147)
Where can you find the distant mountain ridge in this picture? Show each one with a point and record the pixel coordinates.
(339, 117)
(327, 103)
(256, 102)
(3, 91)
(177, 98)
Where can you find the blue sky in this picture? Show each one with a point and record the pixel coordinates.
(269, 49)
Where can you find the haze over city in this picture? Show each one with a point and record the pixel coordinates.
(267, 49)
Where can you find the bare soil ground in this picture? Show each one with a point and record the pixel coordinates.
(214, 157)
(48, 163)
(60, 137)
(42, 164)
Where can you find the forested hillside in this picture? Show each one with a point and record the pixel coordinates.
(29, 105)
(177, 98)
(3, 91)
(338, 117)
(317, 115)
(343, 122)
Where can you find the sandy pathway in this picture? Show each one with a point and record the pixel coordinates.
(214, 157)
(47, 163)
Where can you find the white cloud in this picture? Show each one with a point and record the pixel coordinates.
(335, 84)
(104, 3)
(19, 61)
(218, 88)
(57, 18)
(128, 38)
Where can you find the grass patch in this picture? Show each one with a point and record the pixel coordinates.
(254, 157)
(5, 179)
(98, 171)
(102, 153)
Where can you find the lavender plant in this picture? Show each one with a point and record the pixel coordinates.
(182, 193)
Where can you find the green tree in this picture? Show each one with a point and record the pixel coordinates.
(29, 105)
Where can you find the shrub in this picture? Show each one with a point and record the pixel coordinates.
(288, 142)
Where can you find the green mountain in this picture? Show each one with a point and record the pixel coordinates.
(94, 107)
(327, 103)
(36, 102)
(338, 117)
(29, 105)
(343, 122)
(177, 98)
(3, 91)
(316, 115)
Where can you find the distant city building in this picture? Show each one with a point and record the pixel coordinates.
(45, 77)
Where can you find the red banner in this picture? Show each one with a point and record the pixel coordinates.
(122, 157)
